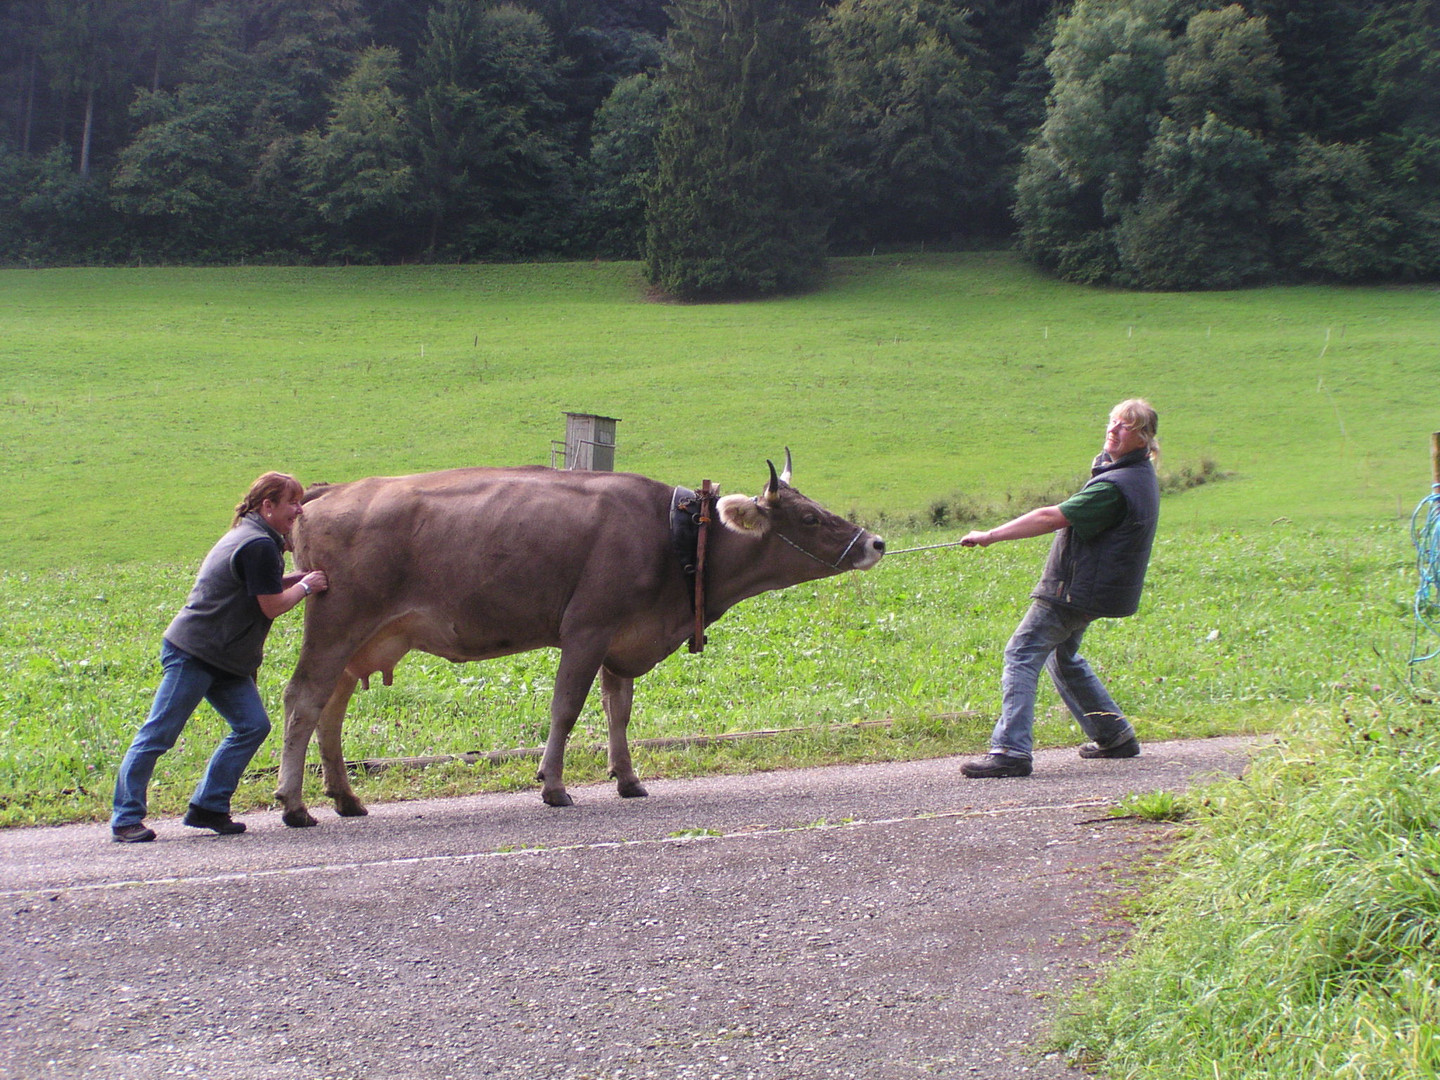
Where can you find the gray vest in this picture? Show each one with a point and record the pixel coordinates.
(221, 623)
(1103, 576)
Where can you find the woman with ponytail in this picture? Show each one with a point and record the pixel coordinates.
(211, 651)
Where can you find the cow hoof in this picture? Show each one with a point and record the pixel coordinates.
(557, 798)
(350, 807)
(298, 819)
(632, 790)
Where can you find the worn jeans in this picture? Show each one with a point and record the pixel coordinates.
(185, 683)
(1049, 637)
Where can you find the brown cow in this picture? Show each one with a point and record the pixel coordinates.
(475, 563)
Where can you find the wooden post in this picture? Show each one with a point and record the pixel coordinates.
(1435, 458)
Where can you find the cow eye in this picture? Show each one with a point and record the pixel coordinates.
(810, 519)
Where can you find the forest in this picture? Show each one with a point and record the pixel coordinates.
(732, 145)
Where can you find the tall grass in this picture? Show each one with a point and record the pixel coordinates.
(1298, 935)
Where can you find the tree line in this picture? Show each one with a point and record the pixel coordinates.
(730, 144)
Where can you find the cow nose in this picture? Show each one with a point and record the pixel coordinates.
(879, 544)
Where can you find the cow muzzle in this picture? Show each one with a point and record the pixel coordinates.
(863, 552)
(866, 551)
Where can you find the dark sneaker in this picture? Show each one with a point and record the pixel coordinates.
(135, 833)
(209, 819)
(996, 765)
(1129, 748)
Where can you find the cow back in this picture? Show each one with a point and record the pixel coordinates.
(516, 546)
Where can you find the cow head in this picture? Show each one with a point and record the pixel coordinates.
(802, 523)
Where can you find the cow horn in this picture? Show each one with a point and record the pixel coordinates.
(785, 476)
(772, 489)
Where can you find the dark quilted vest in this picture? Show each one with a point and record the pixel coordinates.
(1103, 576)
(221, 623)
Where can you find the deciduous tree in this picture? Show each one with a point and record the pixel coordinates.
(622, 164)
(1334, 219)
(1086, 164)
(1202, 217)
(357, 170)
(494, 174)
(1399, 83)
(911, 129)
(182, 179)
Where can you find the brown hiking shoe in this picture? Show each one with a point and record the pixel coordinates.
(199, 818)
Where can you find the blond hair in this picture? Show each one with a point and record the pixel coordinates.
(1142, 419)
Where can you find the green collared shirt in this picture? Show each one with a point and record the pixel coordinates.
(1094, 509)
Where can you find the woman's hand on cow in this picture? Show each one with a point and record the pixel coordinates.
(274, 605)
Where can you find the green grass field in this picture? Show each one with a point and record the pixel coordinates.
(1240, 633)
(1295, 933)
(138, 403)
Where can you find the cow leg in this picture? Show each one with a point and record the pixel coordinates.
(301, 716)
(318, 694)
(579, 661)
(618, 695)
(314, 685)
(332, 759)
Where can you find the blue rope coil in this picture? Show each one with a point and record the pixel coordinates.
(1425, 532)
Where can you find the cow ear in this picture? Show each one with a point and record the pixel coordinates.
(742, 514)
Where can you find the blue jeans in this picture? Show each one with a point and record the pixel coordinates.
(186, 682)
(1049, 637)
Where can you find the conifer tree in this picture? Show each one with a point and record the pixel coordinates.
(738, 203)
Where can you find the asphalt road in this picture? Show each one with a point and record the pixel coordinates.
(879, 922)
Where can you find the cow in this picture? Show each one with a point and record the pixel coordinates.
(474, 563)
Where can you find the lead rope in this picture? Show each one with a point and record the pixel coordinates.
(927, 547)
(858, 533)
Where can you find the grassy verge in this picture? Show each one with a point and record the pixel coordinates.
(1297, 934)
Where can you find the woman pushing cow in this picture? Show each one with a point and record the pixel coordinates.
(211, 651)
